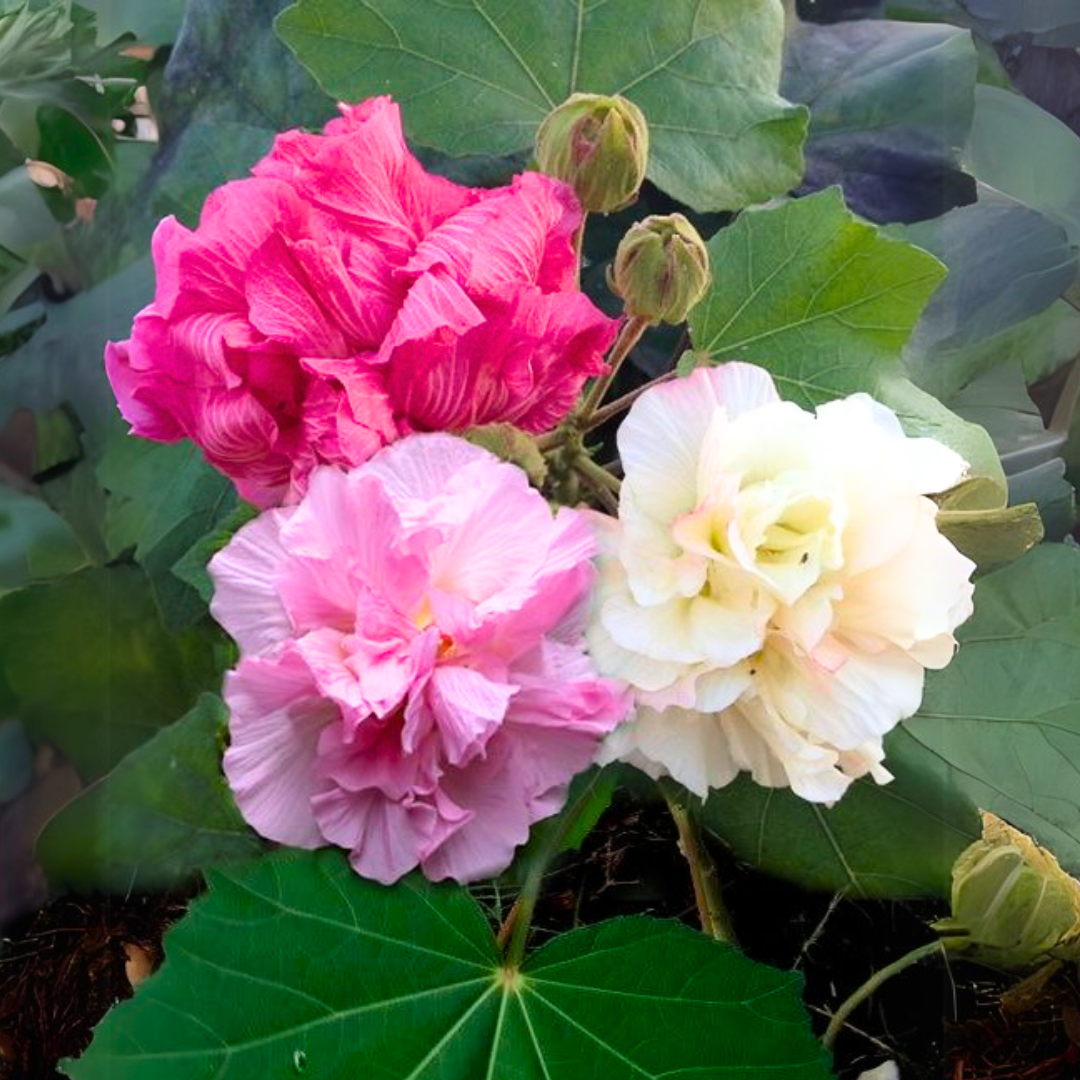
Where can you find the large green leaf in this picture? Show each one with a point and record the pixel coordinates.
(826, 302)
(162, 501)
(880, 840)
(820, 298)
(889, 104)
(34, 541)
(93, 669)
(62, 362)
(1006, 263)
(1004, 716)
(1022, 150)
(1042, 344)
(294, 965)
(478, 78)
(163, 814)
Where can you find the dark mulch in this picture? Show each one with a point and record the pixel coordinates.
(63, 968)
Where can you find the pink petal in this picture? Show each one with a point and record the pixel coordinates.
(276, 716)
(467, 709)
(247, 574)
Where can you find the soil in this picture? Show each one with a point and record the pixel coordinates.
(62, 968)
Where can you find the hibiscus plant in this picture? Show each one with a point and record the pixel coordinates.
(458, 439)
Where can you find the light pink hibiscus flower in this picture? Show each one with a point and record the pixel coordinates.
(413, 684)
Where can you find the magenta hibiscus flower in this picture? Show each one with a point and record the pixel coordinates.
(413, 683)
(343, 297)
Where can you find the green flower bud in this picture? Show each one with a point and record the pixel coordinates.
(1012, 904)
(599, 146)
(661, 269)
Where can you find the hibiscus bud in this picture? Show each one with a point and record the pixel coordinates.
(661, 268)
(599, 146)
(1012, 904)
(509, 443)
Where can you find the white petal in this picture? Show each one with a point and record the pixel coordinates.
(660, 440)
(689, 745)
(920, 594)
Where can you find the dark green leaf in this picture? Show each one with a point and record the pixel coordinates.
(1024, 152)
(35, 542)
(479, 78)
(93, 669)
(880, 840)
(1003, 718)
(163, 814)
(294, 965)
(207, 154)
(1006, 264)
(889, 104)
(62, 362)
(163, 500)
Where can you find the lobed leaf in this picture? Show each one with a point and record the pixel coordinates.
(478, 78)
(294, 965)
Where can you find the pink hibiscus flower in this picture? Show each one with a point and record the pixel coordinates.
(413, 684)
(343, 297)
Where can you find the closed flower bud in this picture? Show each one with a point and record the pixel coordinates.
(599, 146)
(661, 268)
(1012, 904)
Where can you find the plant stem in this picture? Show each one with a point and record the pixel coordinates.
(853, 1001)
(514, 933)
(579, 245)
(620, 404)
(712, 911)
(597, 474)
(629, 336)
(603, 496)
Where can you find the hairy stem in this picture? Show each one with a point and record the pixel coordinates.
(621, 404)
(712, 911)
(629, 336)
(853, 1001)
(596, 474)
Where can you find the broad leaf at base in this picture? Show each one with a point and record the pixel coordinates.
(293, 965)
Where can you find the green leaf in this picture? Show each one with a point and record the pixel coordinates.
(889, 104)
(815, 295)
(1004, 717)
(162, 501)
(34, 540)
(294, 965)
(1042, 343)
(478, 78)
(1006, 264)
(1025, 152)
(62, 362)
(162, 815)
(92, 667)
(880, 840)
(207, 154)
(155, 24)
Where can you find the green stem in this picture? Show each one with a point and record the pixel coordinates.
(515, 932)
(712, 911)
(629, 336)
(597, 474)
(854, 1000)
(621, 404)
